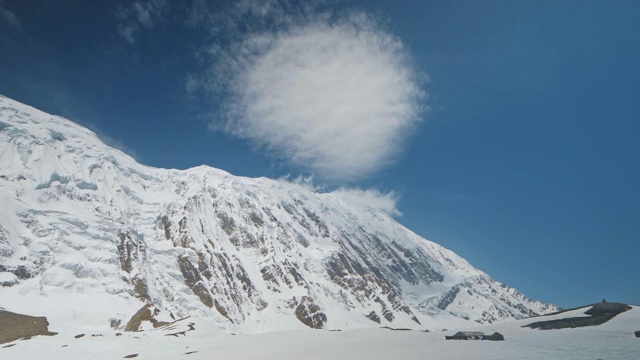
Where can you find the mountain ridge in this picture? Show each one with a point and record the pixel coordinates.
(87, 223)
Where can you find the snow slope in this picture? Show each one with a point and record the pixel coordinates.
(613, 340)
(88, 236)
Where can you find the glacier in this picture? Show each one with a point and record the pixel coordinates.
(88, 236)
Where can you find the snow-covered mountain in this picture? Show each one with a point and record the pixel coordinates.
(88, 236)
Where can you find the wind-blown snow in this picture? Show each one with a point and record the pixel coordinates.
(88, 235)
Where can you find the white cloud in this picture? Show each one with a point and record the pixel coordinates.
(303, 181)
(191, 84)
(370, 198)
(335, 97)
(138, 16)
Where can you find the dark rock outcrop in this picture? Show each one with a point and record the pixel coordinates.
(146, 313)
(448, 298)
(17, 326)
(373, 317)
(309, 313)
(600, 314)
(131, 255)
(193, 280)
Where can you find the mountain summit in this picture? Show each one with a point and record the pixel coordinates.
(89, 236)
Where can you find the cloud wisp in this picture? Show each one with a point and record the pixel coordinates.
(370, 198)
(8, 18)
(336, 97)
(138, 16)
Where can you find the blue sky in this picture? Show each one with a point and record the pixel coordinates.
(509, 133)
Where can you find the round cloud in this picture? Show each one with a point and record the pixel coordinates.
(336, 98)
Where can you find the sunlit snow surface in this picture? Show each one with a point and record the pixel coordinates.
(68, 203)
(100, 235)
(612, 340)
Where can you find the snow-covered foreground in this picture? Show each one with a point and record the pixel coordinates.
(612, 340)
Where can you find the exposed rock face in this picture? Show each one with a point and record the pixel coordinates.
(448, 298)
(82, 217)
(132, 257)
(194, 281)
(309, 313)
(373, 317)
(17, 326)
(146, 313)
